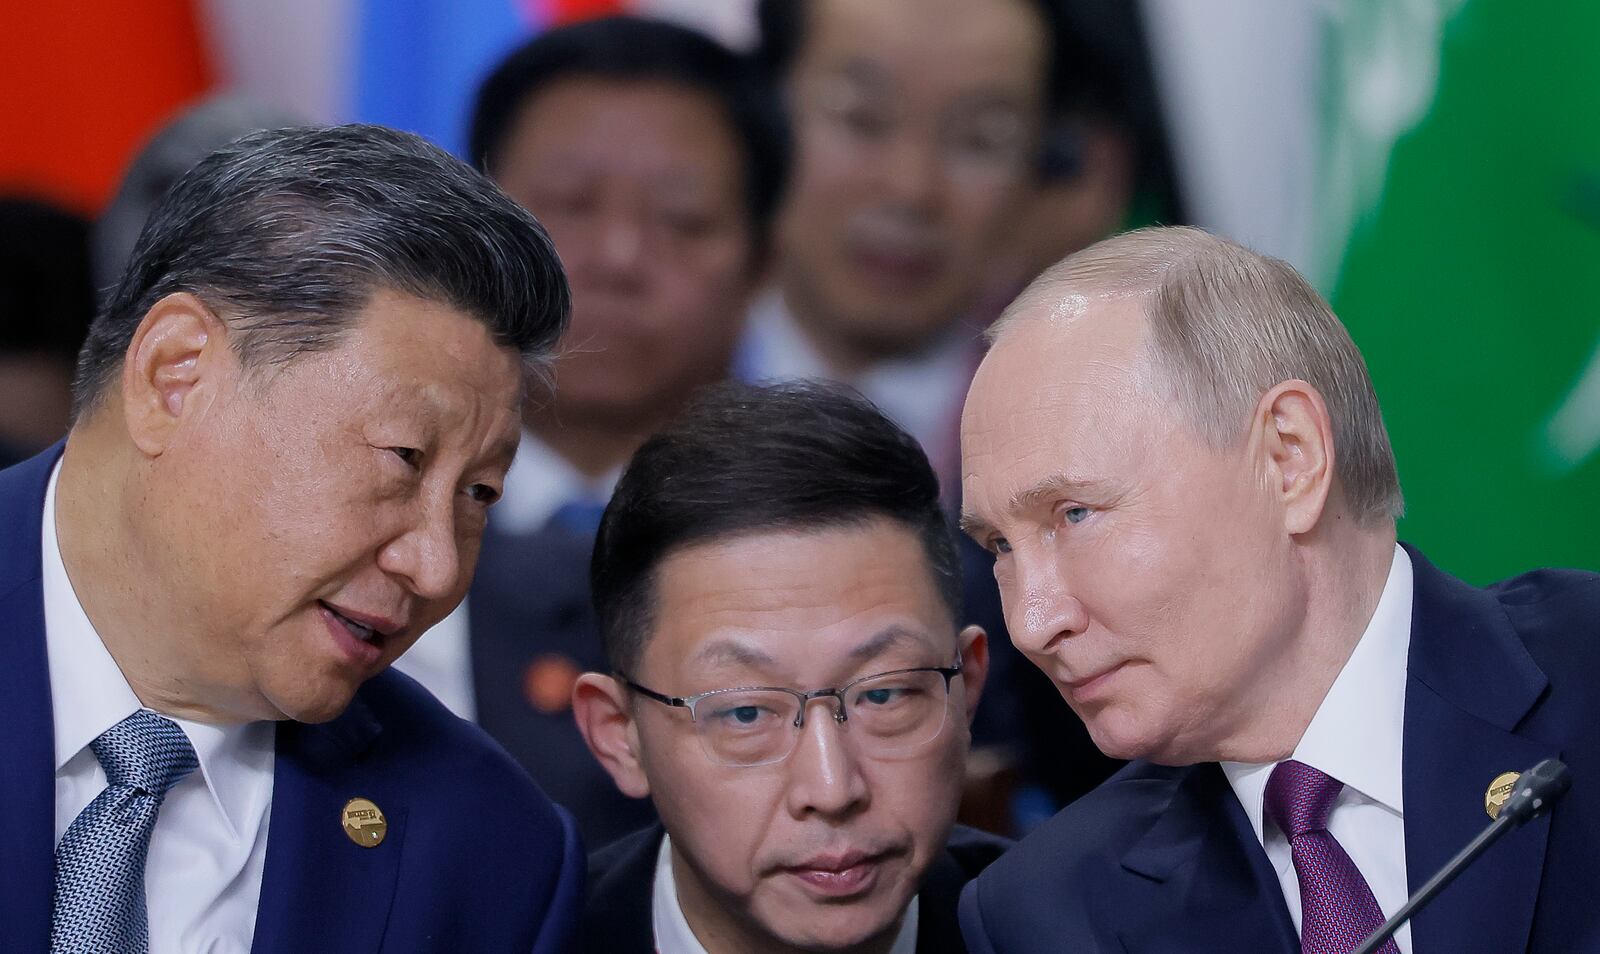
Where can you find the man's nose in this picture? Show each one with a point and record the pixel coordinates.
(620, 245)
(825, 776)
(1040, 606)
(427, 554)
(912, 170)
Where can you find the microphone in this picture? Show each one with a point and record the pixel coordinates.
(1536, 790)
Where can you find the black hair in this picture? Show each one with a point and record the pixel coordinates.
(46, 294)
(635, 49)
(744, 459)
(289, 232)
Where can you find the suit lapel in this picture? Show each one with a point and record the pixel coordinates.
(319, 890)
(1470, 683)
(1214, 887)
(27, 736)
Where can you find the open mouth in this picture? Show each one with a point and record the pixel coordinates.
(364, 633)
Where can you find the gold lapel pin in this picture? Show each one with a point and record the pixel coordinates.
(364, 823)
(1499, 790)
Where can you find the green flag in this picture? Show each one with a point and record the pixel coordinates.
(1463, 228)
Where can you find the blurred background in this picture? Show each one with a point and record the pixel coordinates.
(1432, 165)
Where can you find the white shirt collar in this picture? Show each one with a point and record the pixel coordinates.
(88, 693)
(1357, 732)
(921, 392)
(539, 482)
(674, 936)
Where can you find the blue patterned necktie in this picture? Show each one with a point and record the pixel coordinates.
(100, 906)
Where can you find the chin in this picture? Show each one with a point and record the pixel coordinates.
(311, 709)
(843, 936)
(1115, 737)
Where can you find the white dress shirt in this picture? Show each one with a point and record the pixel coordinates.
(1356, 738)
(203, 872)
(539, 483)
(674, 936)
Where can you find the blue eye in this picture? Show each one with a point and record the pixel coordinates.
(744, 715)
(1075, 514)
(878, 697)
(1001, 545)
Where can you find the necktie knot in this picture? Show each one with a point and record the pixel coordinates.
(1300, 798)
(145, 751)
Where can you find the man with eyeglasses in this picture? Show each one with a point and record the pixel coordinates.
(777, 589)
(918, 144)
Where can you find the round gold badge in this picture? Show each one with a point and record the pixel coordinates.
(364, 823)
(1499, 790)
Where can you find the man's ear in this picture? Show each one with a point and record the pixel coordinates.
(974, 644)
(1297, 445)
(177, 362)
(601, 707)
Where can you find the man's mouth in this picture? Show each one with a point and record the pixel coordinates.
(363, 627)
(836, 877)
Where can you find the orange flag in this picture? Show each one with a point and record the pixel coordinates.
(83, 83)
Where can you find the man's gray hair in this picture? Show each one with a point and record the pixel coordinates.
(1226, 325)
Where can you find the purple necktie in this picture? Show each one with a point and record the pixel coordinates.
(1337, 909)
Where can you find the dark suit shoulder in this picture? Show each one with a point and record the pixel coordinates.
(450, 768)
(1579, 589)
(616, 916)
(1092, 832)
(972, 850)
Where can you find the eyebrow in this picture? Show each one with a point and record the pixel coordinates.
(1047, 489)
(730, 651)
(886, 639)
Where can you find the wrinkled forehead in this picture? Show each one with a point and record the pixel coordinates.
(1058, 343)
(799, 605)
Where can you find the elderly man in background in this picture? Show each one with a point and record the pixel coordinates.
(655, 159)
(290, 421)
(767, 543)
(1176, 453)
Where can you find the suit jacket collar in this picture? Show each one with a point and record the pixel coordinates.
(1471, 682)
(1211, 875)
(318, 890)
(27, 783)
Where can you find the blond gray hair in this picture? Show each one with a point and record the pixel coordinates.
(1226, 325)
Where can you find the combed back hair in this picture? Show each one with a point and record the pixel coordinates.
(744, 459)
(1226, 325)
(640, 50)
(287, 234)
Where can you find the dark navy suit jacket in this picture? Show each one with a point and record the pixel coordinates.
(529, 606)
(1163, 859)
(622, 877)
(475, 859)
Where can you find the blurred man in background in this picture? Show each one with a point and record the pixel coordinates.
(919, 138)
(789, 538)
(655, 158)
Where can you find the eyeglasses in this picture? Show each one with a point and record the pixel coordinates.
(892, 714)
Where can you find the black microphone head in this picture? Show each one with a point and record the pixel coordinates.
(1536, 790)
